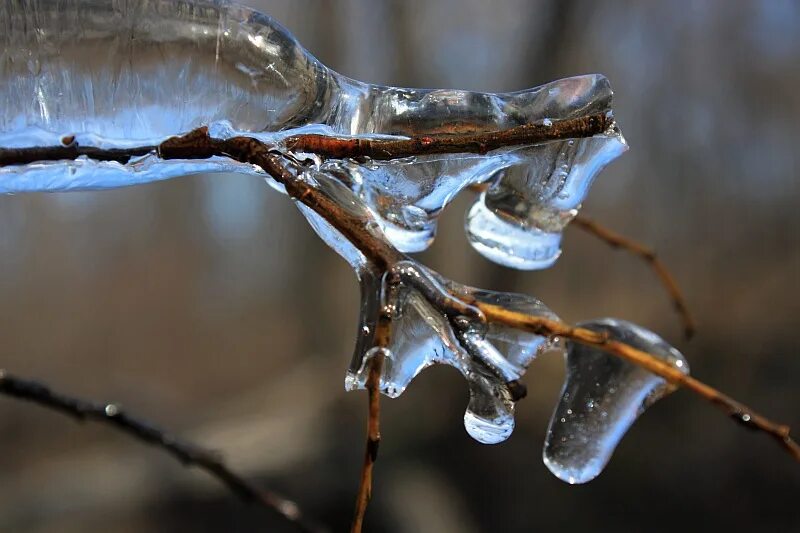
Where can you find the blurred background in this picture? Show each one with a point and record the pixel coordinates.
(211, 308)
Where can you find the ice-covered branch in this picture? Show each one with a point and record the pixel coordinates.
(332, 147)
(674, 375)
(480, 142)
(187, 453)
(384, 257)
(371, 168)
(69, 149)
(378, 255)
(469, 327)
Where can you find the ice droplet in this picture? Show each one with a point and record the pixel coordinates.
(602, 396)
(518, 221)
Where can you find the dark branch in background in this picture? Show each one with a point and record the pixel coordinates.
(615, 240)
(185, 452)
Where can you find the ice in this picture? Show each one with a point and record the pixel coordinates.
(518, 221)
(487, 355)
(518, 347)
(602, 396)
(117, 74)
(134, 73)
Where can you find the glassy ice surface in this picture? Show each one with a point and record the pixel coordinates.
(121, 74)
(136, 72)
(344, 198)
(488, 356)
(602, 396)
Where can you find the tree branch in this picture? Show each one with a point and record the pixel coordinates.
(185, 452)
(382, 338)
(344, 147)
(69, 149)
(384, 257)
(479, 142)
(615, 240)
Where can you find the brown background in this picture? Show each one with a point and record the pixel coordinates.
(208, 305)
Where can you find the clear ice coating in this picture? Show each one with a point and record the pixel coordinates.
(136, 72)
(116, 74)
(487, 355)
(602, 396)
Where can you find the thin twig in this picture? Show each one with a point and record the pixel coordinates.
(373, 383)
(478, 142)
(615, 240)
(185, 452)
(738, 411)
(344, 147)
(69, 150)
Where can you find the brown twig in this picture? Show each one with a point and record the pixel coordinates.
(740, 412)
(375, 363)
(69, 150)
(479, 142)
(344, 147)
(615, 240)
(185, 452)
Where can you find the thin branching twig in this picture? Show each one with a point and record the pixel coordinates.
(443, 143)
(615, 240)
(383, 256)
(187, 453)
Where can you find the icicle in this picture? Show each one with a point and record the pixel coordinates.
(518, 221)
(489, 356)
(602, 396)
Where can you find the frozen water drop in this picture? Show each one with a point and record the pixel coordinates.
(489, 417)
(602, 396)
(488, 431)
(508, 243)
(518, 221)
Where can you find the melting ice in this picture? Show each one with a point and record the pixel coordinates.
(602, 396)
(136, 72)
(488, 356)
(117, 74)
